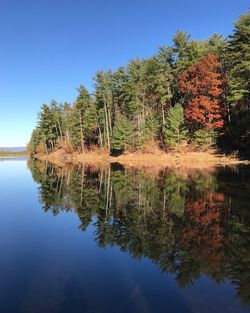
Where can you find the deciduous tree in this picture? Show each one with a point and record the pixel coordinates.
(201, 87)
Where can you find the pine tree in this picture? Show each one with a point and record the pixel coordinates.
(83, 120)
(238, 55)
(205, 138)
(121, 137)
(187, 52)
(66, 111)
(48, 126)
(104, 106)
(56, 111)
(36, 143)
(174, 130)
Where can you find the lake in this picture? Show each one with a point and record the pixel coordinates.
(110, 239)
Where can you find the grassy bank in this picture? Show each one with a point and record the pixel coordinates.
(159, 159)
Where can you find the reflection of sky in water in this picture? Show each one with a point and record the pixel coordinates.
(47, 264)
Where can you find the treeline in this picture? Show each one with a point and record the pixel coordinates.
(190, 94)
(187, 224)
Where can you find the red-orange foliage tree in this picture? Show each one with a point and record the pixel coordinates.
(201, 86)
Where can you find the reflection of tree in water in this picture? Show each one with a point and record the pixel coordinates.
(186, 224)
(205, 235)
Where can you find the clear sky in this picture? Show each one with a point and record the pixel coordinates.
(49, 47)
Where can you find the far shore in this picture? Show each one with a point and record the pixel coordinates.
(6, 154)
(190, 160)
(14, 156)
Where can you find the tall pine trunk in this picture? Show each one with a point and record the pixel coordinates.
(81, 130)
(107, 125)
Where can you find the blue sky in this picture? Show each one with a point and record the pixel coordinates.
(49, 47)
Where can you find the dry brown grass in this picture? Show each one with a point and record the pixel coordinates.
(156, 159)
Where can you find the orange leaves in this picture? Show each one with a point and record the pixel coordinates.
(205, 237)
(208, 210)
(201, 86)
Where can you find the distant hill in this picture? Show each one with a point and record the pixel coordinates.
(12, 149)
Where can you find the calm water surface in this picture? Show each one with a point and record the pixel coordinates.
(82, 239)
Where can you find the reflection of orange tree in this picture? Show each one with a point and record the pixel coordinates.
(179, 222)
(204, 236)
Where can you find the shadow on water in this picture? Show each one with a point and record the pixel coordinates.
(189, 224)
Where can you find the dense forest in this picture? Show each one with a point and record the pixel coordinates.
(188, 224)
(190, 95)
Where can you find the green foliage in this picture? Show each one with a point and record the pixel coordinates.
(35, 140)
(47, 125)
(238, 54)
(205, 138)
(174, 130)
(216, 44)
(187, 52)
(121, 137)
(83, 120)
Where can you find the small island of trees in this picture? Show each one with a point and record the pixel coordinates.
(190, 95)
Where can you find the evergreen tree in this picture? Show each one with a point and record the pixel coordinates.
(238, 54)
(174, 130)
(205, 138)
(216, 44)
(83, 121)
(66, 127)
(187, 52)
(48, 127)
(121, 137)
(104, 106)
(56, 111)
(36, 143)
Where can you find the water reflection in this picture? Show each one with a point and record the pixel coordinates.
(188, 224)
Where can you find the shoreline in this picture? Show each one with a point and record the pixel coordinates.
(26, 156)
(190, 160)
